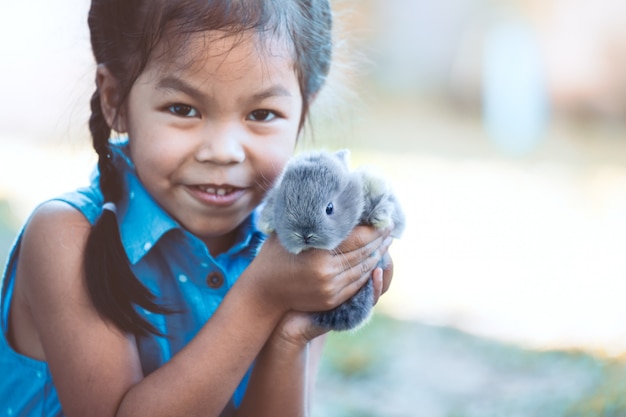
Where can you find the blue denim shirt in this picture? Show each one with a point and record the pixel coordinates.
(172, 263)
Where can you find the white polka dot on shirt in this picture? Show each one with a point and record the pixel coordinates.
(182, 278)
(147, 246)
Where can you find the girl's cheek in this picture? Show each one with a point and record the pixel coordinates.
(276, 164)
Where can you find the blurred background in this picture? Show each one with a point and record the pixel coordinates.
(502, 126)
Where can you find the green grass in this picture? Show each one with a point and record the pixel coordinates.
(394, 368)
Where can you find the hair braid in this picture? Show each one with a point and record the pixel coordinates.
(100, 132)
(112, 286)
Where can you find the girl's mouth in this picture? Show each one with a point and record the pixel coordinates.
(216, 195)
(221, 191)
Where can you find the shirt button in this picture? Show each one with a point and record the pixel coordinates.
(215, 280)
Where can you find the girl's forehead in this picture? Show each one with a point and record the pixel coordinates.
(215, 49)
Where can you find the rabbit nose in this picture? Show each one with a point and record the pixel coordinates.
(307, 236)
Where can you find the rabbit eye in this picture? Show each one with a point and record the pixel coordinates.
(330, 209)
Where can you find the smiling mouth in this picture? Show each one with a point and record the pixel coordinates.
(216, 195)
(219, 191)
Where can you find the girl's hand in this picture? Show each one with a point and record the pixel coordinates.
(319, 280)
(297, 328)
(285, 369)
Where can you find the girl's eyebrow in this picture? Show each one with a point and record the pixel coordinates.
(174, 83)
(272, 91)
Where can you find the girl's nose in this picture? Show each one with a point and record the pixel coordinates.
(222, 144)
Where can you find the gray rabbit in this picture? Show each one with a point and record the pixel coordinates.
(315, 203)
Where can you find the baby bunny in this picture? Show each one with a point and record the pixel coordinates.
(315, 203)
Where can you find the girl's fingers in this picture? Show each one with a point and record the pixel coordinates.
(362, 264)
(361, 237)
(381, 277)
(377, 281)
(387, 271)
(358, 275)
(374, 249)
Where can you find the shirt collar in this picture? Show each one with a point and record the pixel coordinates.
(142, 221)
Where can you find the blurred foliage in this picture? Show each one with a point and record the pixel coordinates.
(609, 399)
(393, 368)
(8, 229)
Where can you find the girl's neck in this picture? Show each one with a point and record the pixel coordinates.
(221, 244)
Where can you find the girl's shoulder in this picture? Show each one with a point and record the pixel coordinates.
(57, 218)
(53, 240)
(48, 271)
(76, 210)
(52, 248)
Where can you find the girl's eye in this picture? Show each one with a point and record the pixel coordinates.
(182, 110)
(262, 116)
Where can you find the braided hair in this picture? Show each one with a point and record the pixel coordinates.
(124, 36)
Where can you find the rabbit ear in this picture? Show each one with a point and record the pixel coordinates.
(343, 155)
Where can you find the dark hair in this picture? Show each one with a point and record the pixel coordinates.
(124, 35)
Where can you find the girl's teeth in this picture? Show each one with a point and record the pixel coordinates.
(217, 191)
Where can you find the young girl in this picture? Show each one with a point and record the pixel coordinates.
(146, 294)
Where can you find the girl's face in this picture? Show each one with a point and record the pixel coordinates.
(210, 132)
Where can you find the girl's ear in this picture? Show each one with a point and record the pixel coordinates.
(110, 95)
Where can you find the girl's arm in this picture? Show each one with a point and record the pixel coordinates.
(96, 368)
(285, 371)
